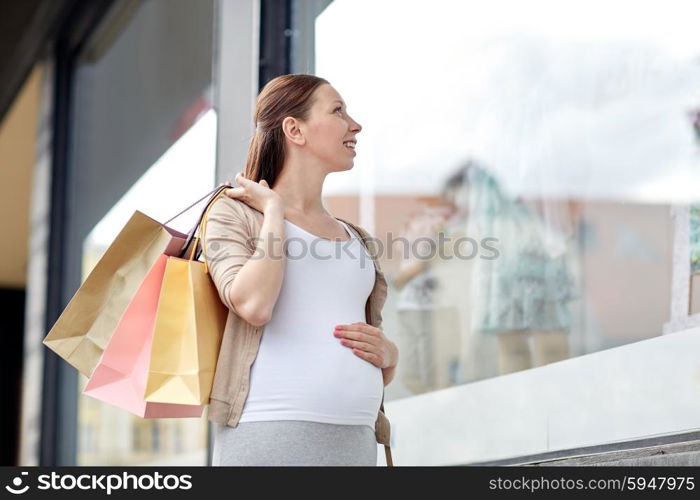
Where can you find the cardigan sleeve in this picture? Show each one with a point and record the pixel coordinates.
(381, 288)
(227, 244)
(382, 291)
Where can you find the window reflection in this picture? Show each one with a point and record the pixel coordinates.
(565, 140)
(694, 232)
(501, 277)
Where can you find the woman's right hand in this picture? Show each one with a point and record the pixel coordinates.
(258, 195)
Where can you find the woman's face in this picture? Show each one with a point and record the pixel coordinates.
(328, 128)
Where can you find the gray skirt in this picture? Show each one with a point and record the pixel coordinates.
(293, 442)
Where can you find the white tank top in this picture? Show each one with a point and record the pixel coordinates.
(302, 371)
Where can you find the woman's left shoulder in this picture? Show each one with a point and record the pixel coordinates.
(363, 232)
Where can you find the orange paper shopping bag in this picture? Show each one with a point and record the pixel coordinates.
(189, 326)
(121, 374)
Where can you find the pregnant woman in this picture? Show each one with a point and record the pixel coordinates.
(303, 362)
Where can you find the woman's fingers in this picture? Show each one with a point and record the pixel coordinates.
(256, 194)
(235, 192)
(363, 346)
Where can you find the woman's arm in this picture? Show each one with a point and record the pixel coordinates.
(247, 269)
(256, 288)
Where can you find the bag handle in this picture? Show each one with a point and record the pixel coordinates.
(202, 223)
(193, 204)
(191, 232)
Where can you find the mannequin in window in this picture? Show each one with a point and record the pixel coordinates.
(523, 295)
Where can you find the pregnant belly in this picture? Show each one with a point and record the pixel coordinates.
(319, 376)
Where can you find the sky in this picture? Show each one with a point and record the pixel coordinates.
(559, 99)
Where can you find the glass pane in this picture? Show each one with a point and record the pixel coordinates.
(540, 153)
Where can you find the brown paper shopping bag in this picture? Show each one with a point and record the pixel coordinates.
(83, 329)
(189, 327)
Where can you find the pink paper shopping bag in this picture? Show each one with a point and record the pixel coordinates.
(121, 374)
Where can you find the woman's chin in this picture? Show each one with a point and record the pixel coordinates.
(347, 166)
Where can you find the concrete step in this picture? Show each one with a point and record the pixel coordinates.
(672, 454)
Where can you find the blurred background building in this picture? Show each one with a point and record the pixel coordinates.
(531, 168)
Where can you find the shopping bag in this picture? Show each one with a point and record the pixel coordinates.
(85, 326)
(189, 326)
(120, 376)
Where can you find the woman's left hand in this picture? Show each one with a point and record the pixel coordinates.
(369, 343)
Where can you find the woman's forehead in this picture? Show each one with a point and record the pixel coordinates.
(329, 95)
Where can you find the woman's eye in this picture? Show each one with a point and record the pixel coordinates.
(338, 108)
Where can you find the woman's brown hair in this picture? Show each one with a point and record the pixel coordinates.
(286, 95)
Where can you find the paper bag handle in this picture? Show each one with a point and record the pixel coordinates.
(191, 232)
(201, 226)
